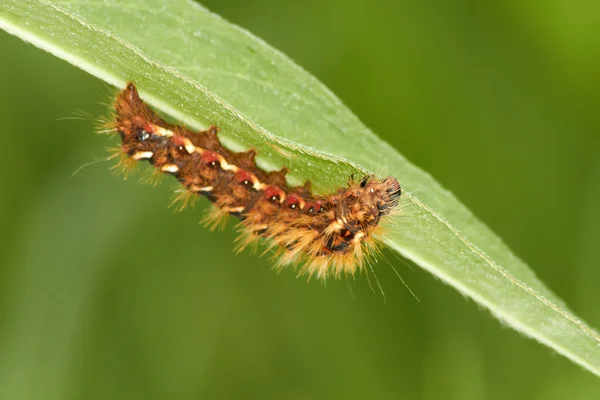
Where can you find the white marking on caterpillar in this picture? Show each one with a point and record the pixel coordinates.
(172, 168)
(160, 131)
(142, 155)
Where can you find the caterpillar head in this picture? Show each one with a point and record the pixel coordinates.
(384, 194)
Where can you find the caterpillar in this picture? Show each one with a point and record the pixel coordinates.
(327, 235)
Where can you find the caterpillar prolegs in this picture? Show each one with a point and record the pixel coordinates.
(328, 235)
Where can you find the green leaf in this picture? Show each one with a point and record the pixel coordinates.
(199, 69)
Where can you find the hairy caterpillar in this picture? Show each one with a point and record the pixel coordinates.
(326, 234)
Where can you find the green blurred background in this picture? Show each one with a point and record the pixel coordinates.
(106, 293)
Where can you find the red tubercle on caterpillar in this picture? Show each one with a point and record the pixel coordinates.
(315, 207)
(209, 157)
(274, 194)
(294, 201)
(327, 234)
(244, 177)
